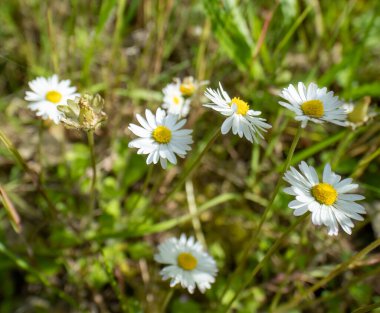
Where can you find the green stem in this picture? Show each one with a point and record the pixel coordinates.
(167, 299)
(192, 166)
(349, 135)
(364, 162)
(335, 272)
(252, 242)
(90, 137)
(270, 252)
(39, 149)
(193, 210)
(145, 186)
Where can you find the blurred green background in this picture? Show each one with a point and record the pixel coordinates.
(81, 261)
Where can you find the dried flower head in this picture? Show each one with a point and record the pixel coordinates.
(84, 113)
(358, 113)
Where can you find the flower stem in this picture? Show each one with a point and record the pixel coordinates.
(39, 149)
(270, 252)
(253, 240)
(364, 162)
(167, 299)
(193, 210)
(191, 167)
(335, 272)
(90, 137)
(342, 146)
(145, 186)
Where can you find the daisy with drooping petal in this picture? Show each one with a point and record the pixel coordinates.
(174, 102)
(330, 202)
(240, 117)
(47, 94)
(313, 104)
(187, 264)
(161, 137)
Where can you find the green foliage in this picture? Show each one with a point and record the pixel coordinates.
(66, 257)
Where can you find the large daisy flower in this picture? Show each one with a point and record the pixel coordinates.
(174, 101)
(161, 137)
(313, 104)
(330, 202)
(187, 264)
(243, 121)
(47, 94)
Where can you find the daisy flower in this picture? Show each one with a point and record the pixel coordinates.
(47, 94)
(243, 121)
(174, 102)
(188, 86)
(330, 201)
(313, 104)
(187, 263)
(161, 137)
(358, 113)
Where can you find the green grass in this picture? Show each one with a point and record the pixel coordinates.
(63, 257)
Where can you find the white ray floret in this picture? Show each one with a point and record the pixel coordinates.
(174, 102)
(161, 137)
(240, 118)
(48, 93)
(313, 104)
(187, 264)
(330, 201)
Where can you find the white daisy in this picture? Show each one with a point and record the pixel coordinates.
(187, 263)
(330, 201)
(174, 102)
(358, 113)
(313, 104)
(47, 94)
(240, 117)
(161, 137)
(188, 86)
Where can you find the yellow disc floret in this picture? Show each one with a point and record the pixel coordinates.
(176, 100)
(53, 96)
(242, 106)
(324, 193)
(313, 108)
(186, 261)
(187, 89)
(162, 134)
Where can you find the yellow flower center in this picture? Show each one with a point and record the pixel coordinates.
(176, 100)
(186, 261)
(313, 108)
(162, 134)
(324, 193)
(242, 106)
(53, 96)
(187, 89)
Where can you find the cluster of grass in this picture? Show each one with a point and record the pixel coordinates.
(58, 255)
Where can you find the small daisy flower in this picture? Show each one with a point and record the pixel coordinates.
(188, 86)
(161, 137)
(174, 102)
(330, 202)
(187, 264)
(359, 113)
(243, 121)
(313, 104)
(47, 94)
